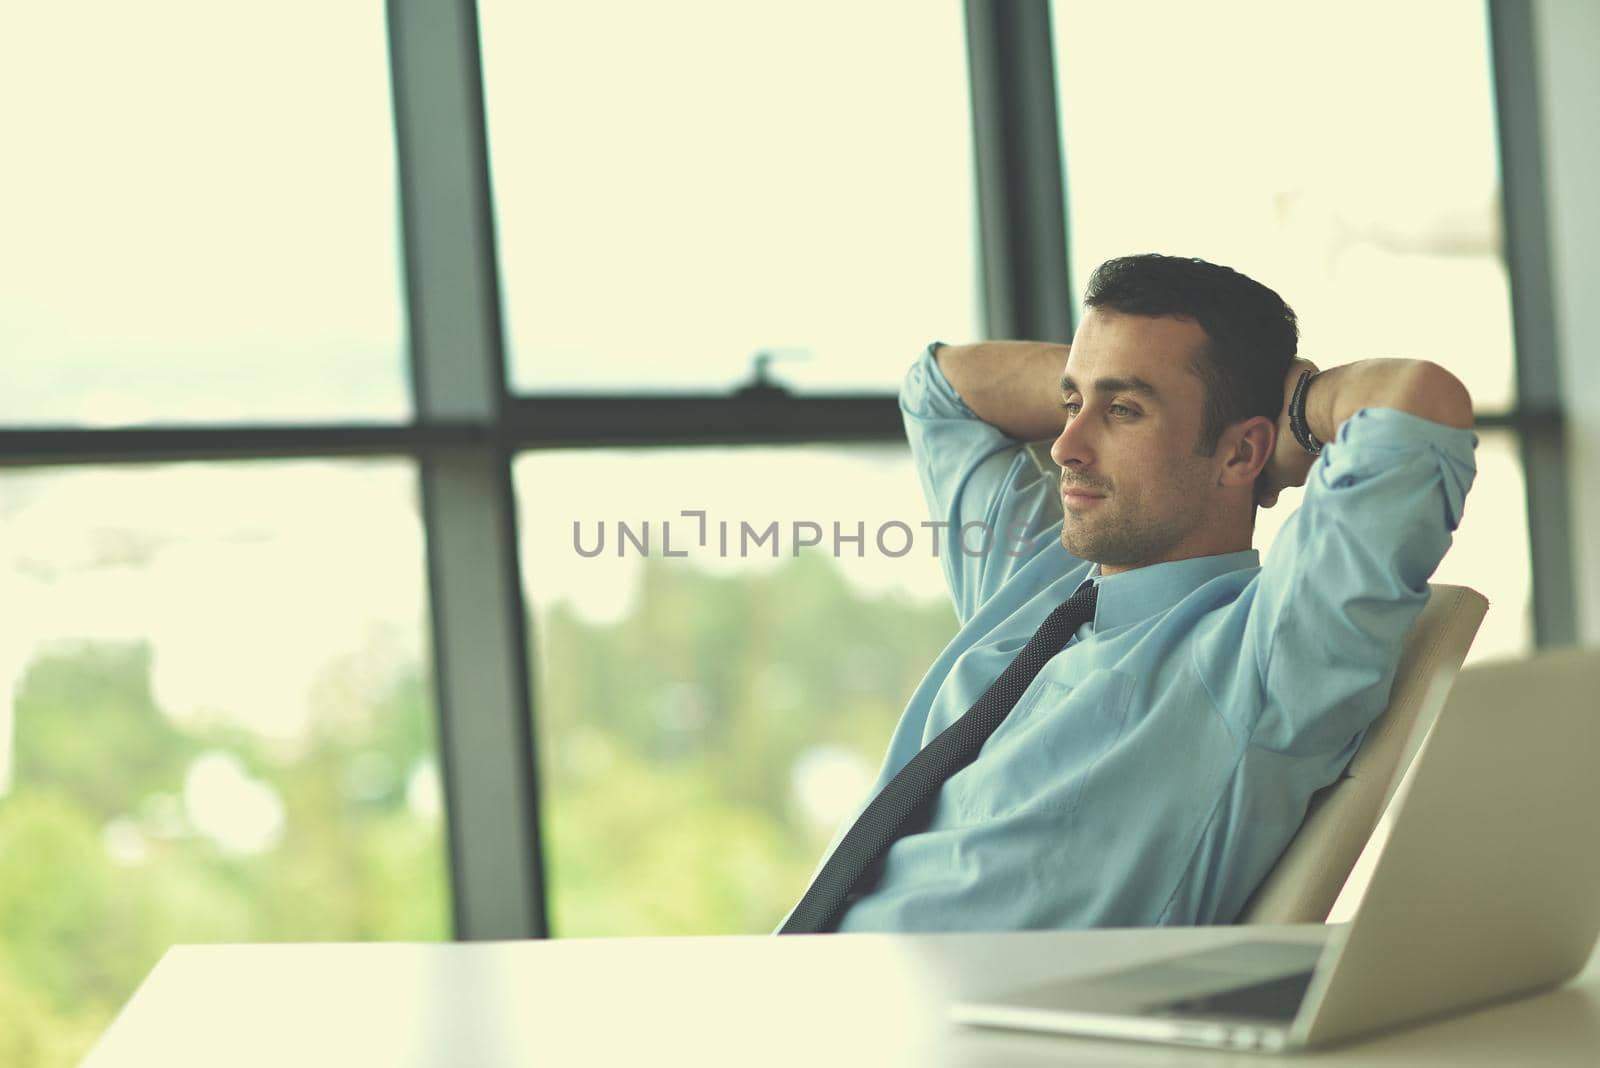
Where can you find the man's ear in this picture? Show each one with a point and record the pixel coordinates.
(1246, 449)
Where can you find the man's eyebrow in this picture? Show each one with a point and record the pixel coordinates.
(1112, 385)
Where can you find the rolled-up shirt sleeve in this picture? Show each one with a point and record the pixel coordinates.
(992, 504)
(1346, 577)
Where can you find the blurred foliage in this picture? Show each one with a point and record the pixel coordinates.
(667, 743)
(79, 929)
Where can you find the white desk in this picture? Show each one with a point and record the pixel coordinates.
(817, 1000)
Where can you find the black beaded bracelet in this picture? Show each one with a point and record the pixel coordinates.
(1297, 415)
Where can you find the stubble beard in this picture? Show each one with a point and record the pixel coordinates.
(1111, 537)
(1121, 541)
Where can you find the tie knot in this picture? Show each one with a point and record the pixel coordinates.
(1075, 611)
(1086, 595)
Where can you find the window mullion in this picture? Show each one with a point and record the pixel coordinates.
(481, 669)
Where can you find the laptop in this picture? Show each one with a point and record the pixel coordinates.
(1488, 888)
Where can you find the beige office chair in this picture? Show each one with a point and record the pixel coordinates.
(1302, 886)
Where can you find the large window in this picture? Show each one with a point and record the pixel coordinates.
(699, 197)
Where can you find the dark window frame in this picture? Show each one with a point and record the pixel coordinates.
(470, 428)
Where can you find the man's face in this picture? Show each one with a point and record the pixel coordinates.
(1133, 491)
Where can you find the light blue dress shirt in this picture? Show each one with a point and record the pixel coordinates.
(1156, 768)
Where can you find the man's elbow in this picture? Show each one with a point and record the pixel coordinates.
(1437, 395)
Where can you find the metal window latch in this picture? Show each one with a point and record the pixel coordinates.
(760, 383)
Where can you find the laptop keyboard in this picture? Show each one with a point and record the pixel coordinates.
(1275, 999)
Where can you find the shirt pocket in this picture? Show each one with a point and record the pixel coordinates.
(1046, 752)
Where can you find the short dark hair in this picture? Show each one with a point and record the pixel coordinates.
(1252, 333)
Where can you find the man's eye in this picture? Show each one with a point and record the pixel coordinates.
(1121, 410)
(1070, 407)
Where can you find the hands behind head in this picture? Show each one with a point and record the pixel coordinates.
(1289, 464)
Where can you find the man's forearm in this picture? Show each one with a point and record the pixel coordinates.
(1011, 385)
(1416, 386)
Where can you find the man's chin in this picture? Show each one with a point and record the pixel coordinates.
(1094, 550)
(1081, 549)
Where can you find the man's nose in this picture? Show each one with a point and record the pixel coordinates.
(1073, 444)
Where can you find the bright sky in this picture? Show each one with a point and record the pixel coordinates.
(199, 214)
(710, 178)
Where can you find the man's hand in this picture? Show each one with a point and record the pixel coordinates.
(1290, 464)
(1417, 387)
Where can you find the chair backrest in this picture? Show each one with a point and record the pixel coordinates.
(1302, 886)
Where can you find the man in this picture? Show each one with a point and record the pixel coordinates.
(1155, 767)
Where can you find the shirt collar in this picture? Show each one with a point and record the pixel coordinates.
(1130, 596)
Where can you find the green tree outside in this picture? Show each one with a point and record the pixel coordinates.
(667, 744)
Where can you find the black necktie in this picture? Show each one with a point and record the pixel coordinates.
(886, 818)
